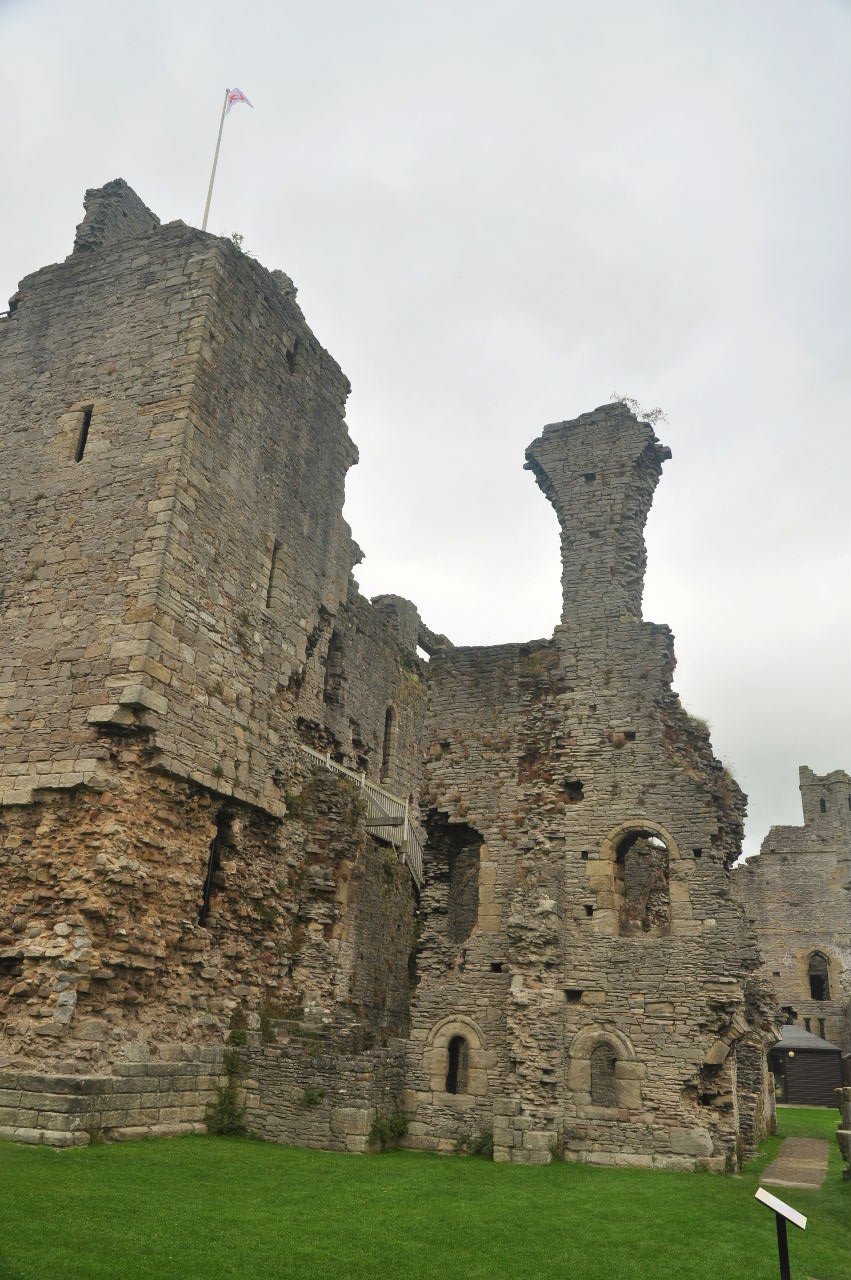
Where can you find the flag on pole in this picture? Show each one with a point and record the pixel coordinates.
(234, 96)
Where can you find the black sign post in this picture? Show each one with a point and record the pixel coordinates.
(783, 1213)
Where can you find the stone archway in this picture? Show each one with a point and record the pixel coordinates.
(603, 1072)
(455, 1058)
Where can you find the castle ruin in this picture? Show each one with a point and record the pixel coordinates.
(797, 895)
(491, 890)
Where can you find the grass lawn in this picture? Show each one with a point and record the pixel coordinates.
(219, 1207)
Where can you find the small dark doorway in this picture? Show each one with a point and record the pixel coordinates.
(456, 1073)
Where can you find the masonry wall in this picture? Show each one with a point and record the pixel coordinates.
(556, 753)
(797, 895)
(103, 957)
(161, 1099)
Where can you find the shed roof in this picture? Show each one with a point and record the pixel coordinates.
(794, 1037)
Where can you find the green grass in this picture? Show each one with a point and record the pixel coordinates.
(220, 1207)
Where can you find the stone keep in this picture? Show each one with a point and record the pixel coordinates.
(176, 871)
(797, 894)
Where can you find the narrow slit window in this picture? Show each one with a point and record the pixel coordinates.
(273, 568)
(82, 438)
(387, 747)
(822, 804)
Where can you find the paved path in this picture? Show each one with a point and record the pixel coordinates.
(801, 1162)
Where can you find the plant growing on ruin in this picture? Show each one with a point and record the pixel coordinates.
(475, 1144)
(387, 1131)
(653, 416)
(226, 1115)
(311, 1097)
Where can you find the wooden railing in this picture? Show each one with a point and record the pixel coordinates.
(387, 816)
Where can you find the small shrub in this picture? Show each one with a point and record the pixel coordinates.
(312, 1097)
(476, 1144)
(238, 1036)
(225, 1115)
(387, 1130)
(294, 802)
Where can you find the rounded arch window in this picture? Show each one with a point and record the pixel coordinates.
(458, 1057)
(642, 882)
(818, 973)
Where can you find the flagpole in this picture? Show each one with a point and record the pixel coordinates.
(215, 162)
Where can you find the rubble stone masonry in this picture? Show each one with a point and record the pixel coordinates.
(177, 874)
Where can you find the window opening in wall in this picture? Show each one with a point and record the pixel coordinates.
(819, 977)
(452, 858)
(222, 840)
(589, 909)
(821, 1027)
(822, 804)
(496, 967)
(456, 1071)
(83, 437)
(387, 747)
(641, 881)
(629, 734)
(573, 995)
(276, 549)
(698, 853)
(806, 1024)
(422, 655)
(603, 1082)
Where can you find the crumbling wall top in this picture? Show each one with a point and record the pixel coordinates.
(113, 212)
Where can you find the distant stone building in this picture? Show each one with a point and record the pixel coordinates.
(214, 746)
(797, 894)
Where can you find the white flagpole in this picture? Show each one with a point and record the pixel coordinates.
(215, 162)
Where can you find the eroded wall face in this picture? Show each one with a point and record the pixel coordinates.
(103, 953)
(571, 759)
(797, 894)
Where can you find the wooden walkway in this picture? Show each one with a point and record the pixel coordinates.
(801, 1162)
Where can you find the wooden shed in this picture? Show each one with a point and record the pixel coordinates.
(806, 1068)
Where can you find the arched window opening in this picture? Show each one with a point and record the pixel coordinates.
(819, 975)
(822, 804)
(387, 748)
(604, 1089)
(213, 880)
(456, 1070)
(641, 875)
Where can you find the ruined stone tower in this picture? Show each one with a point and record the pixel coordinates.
(221, 763)
(797, 895)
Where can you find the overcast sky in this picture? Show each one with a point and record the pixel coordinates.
(498, 213)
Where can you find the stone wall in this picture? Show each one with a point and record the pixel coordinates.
(312, 1092)
(797, 895)
(101, 948)
(569, 758)
(135, 1100)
